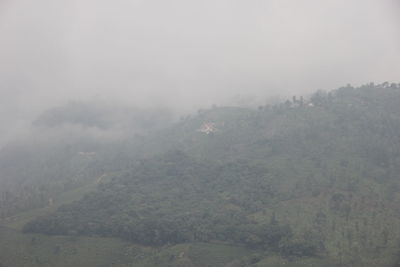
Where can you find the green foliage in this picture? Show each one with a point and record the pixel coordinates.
(305, 179)
(171, 199)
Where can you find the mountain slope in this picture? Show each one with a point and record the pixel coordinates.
(304, 178)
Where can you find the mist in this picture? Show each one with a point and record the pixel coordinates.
(187, 54)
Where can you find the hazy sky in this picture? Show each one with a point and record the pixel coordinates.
(186, 52)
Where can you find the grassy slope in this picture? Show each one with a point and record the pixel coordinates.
(34, 250)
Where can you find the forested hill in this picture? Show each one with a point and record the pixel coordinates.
(315, 177)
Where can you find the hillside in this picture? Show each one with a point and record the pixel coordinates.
(69, 147)
(309, 180)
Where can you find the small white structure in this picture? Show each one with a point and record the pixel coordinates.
(208, 127)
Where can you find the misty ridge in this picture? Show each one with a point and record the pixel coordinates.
(97, 137)
(184, 133)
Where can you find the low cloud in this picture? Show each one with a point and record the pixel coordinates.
(187, 54)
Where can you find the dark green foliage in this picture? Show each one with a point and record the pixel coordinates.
(172, 199)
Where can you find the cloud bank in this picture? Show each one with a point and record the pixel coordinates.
(187, 54)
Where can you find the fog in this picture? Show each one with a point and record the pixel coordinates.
(187, 54)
